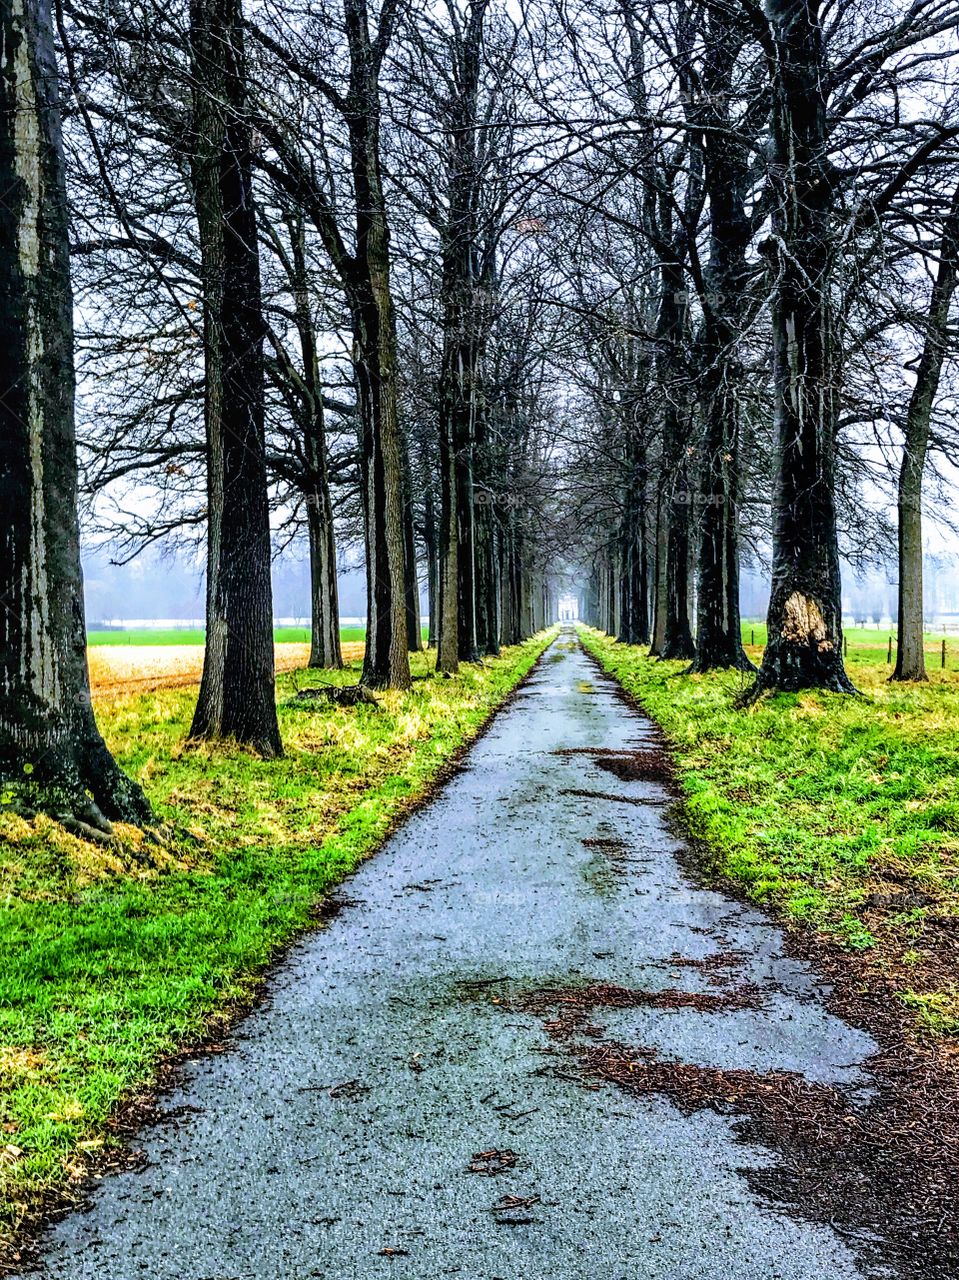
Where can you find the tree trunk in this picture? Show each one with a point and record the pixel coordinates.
(634, 583)
(727, 179)
(677, 637)
(414, 629)
(659, 574)
(910, 657)
(485, 585)
(51, 753)
(463, 316)
(465, 504)
(237, 692)
(447, 648)
(804, 648)
(509, 588)
(325, 649)
(487, 618)
(386, 662)
(719, 628)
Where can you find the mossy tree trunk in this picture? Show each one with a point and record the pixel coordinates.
(51, 753)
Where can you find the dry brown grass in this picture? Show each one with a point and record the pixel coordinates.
(148, 668)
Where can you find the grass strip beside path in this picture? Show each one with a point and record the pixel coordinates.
(843, 813)
(112, 957)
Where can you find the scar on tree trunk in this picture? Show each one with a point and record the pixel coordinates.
(804, 651)
(52, 757)
(804, 622)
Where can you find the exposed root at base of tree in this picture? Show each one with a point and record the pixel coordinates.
(348, 695)
(743, 663)
(85, 804)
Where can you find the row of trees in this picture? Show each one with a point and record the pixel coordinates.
(772, 237)
(504, 294)
(692, 214)
(402, 369)
(230, 230)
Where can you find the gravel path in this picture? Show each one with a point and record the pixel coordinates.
(392, 1111)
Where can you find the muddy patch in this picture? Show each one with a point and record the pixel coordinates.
(609, 863)
(569, 1010)
(879, 1175)
(616, 852)
(643, 765)
(608, 795)
(611, 846)
(877, 1170)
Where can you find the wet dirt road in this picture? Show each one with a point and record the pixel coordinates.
(406, 1105)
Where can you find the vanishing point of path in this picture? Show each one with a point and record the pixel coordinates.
(408, 1103)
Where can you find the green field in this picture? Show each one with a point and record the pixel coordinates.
(113, 955)
(869, 646)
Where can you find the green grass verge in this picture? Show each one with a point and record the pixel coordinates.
(112, 957)
(841, 812)
(196, 635)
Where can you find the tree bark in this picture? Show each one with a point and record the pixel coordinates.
(804, 648)
(726, 177)
(910, 656)
(386, 662)
(414, 629)
(325, 651)
(485, 585)
(447, 648)
(364, 274)
(634, 579)
(659, 574)
(463, 316)
(237, 693)
(677, 636)
(51, 753)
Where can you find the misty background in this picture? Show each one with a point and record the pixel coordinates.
(168, 585)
